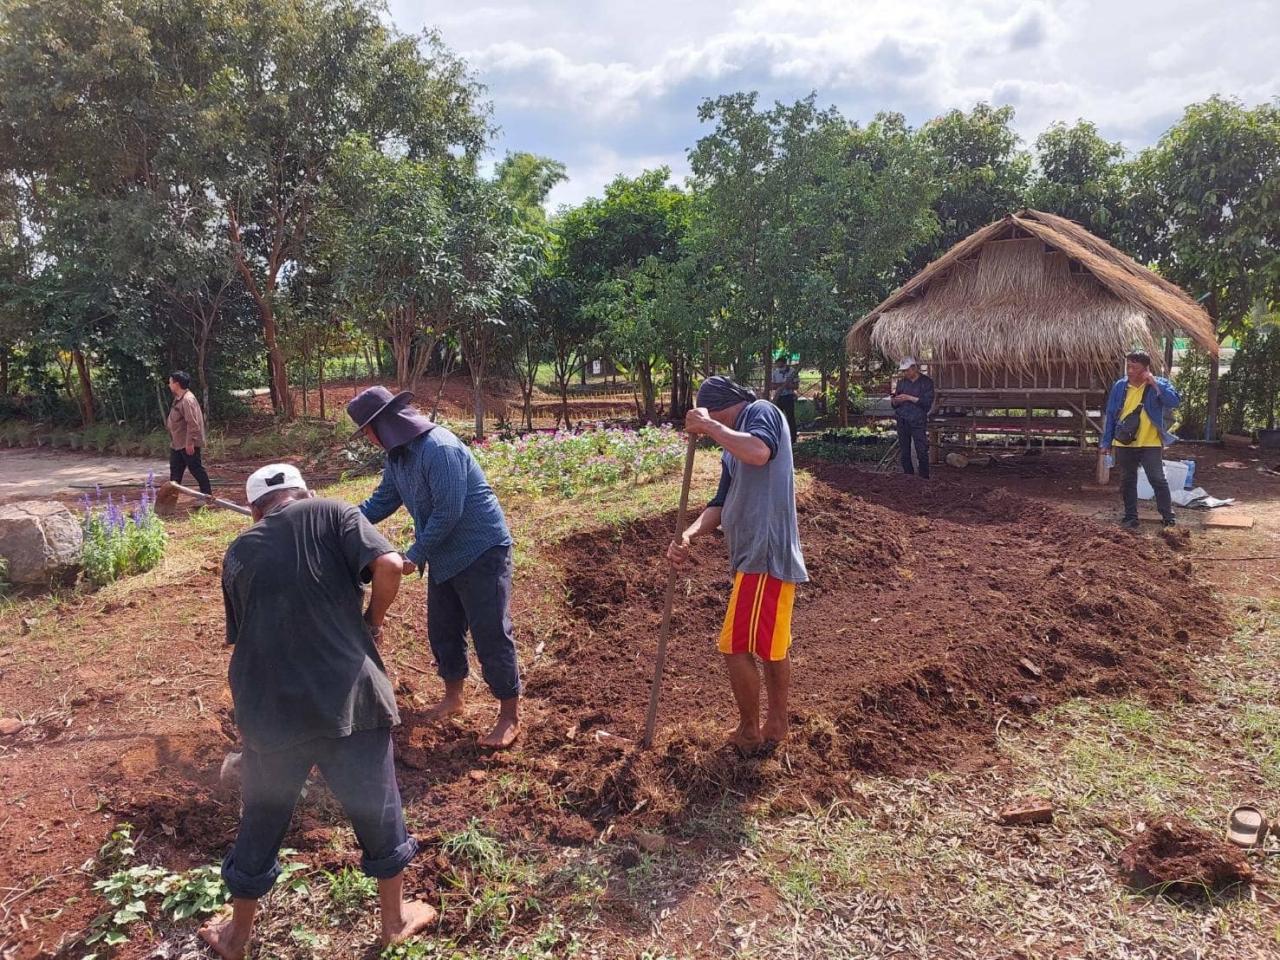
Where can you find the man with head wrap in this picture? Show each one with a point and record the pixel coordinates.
(461, 537)
(756, 506)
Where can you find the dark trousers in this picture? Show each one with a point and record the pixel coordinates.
(180, 460)
(359, 769)
(477, 599)
(1150, 459)
(914, 434)
(787, 404)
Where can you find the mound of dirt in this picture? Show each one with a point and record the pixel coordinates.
(933, 610)
(1178, 859)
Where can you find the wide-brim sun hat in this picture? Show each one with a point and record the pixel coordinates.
(365, 406)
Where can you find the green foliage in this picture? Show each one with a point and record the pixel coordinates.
(119, 542)
(349, 890)
(1080, 176)
(496, 888)
(567, 464)
(846, 445)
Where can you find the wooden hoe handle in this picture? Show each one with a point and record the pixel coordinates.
(655, 690)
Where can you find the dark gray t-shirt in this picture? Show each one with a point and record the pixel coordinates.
(759, 503)
(304, 665)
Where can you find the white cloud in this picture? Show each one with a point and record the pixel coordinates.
(613, 87)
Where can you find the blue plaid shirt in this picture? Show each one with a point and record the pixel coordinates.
(456, 516)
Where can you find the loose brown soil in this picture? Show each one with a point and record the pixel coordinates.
(924, 601)
(1177, 859)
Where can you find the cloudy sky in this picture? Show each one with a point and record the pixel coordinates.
(612, 86)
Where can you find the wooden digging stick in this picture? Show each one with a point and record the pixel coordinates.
(210, 498)
(655, 691)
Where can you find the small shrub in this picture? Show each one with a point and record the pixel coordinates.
(119, 542)
(349, 890)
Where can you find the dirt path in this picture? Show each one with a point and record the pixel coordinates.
(27, 474)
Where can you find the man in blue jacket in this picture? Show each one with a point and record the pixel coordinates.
(461, 537)
(1135, 427)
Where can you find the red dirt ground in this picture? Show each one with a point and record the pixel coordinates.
(924, 599)
(1176, 858)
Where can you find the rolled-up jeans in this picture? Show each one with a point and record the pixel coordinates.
(359, 769)
(477, 599)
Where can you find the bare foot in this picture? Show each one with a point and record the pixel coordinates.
(774, 732)
(226, 941)
(446, 709)
(415, 916)
(745, 742)
(503, 734)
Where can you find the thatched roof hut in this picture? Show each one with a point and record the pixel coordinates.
(1037, 294)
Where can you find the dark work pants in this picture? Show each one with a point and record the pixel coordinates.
(478, 599)
(179, 461)
(359, 769)
(787, 404)
(1150, 459)
(910, 434)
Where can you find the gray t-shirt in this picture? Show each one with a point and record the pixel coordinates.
(759, 517)
(304, 665)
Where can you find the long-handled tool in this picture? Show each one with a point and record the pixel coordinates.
(167, 496)
(655, 691)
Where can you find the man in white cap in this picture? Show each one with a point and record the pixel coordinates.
(912, 402)
(309, 689)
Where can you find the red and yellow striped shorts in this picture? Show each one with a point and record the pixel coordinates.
(759, 617)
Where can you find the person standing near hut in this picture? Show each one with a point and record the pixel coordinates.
(461, 537)
(1135, 425)
(186, 432)
(786, 381)
(756, 506)
(912, 401)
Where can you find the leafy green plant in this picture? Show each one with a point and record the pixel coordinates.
(349, 890)
(120, 542)
(197, 892)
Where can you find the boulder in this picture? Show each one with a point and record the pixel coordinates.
(41, 541)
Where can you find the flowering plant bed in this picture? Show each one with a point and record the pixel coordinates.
(120, 541)
(566, 464)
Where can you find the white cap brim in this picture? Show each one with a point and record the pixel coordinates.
(273, 477)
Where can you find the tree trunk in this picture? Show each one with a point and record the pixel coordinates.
(4, 370)
(1211, 407)
(86, 388)
(768, 373)
(320, 382)
(477, 397)
(202, 377)
(1168, 356)
(645, 371)
(842, 393)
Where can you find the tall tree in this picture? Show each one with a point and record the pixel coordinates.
(1080, 175)
(981, 173)
(612, 248)
(303, 75)
(1211, 191)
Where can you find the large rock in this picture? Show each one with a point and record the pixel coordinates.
(41, 540)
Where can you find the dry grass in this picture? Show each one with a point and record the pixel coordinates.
(1005, 294)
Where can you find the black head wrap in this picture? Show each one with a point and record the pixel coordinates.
(719, 392)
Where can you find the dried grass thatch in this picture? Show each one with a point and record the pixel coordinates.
(1009, 295)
